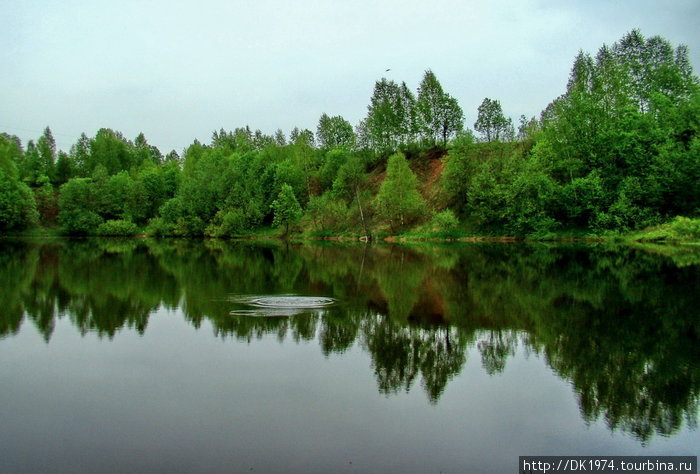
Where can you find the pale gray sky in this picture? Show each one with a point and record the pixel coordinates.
(178, 70)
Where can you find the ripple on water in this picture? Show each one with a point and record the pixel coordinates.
(279, 305)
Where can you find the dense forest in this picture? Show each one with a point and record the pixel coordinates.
(619, 150)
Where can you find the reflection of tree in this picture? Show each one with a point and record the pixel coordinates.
(620, 324)
(17, 268)
(400, 353)
(495, 350)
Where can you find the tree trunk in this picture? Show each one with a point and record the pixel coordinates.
(362, 215)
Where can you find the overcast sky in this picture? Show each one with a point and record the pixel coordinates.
(176, 71)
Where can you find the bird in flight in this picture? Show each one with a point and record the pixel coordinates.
(387, 70)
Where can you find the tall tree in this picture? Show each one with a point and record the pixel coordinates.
(491, 122)
(349, 181)
(46, 146)
(439, 114)
(334, 132)
(11, 154)
(387, 116)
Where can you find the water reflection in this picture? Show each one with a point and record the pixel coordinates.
(620, 324)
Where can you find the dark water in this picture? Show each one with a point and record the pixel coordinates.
(196, 356)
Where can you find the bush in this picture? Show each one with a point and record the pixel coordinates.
(226, 223)
(686, 228)
(79, 221)
(120, 228)
(445, 221)
(158, 227)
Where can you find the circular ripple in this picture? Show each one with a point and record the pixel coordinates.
(286, 302)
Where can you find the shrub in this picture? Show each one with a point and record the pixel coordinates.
(158, 227)
(79, 221)
(226, 223)
(686, 228)
(444, 221)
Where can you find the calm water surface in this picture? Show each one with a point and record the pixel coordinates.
(213, 356)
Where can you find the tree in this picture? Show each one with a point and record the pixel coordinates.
(46, 146)
(17, 204)
(64, 169)
(46, 202)
(82, 159)
(111, 150)
(391, 116)
(31, 168)
(77, 204)
(351, 177)
(334, 132)
(11, 155)
(280, 139)
(144, 152)
(439, 114)
(491, 122)
(286, 208)
(398, 200)
(450, 118)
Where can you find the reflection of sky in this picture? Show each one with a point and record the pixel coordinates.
(179, 399)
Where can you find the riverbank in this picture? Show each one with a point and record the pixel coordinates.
(681, 230)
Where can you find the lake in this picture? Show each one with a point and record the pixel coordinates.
(208, 356)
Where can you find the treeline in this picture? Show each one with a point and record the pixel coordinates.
(618, 150)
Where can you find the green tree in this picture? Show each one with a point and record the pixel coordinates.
(286, 208)
(17, 204)
(398, 202)
(349, 182)
(46, 200)
(491, 122)
(334, 132)
(391, 117)
(77, 207)
(111, 150)
(440, 116)
(11, 154)
(65, 168)
(31, 167)
(46, 146)
(82, 159)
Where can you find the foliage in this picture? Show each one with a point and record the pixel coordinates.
(334, 132)
(78, 205)
(679, 229)
(327, 213)
(159, 227)
(286, 208)
(117, 228)
(17, 204)
(227, 223)
(46, 201)
(491, 122)
(444, 221)
(439, 114)
(11, 154)
(398, 202)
